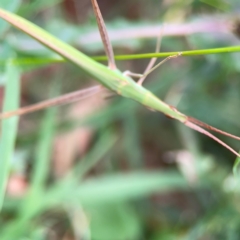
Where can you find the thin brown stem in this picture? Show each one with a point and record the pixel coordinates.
(104, 35)
(153, 60)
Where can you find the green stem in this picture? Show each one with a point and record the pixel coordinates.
(29, 61)
(166, 54)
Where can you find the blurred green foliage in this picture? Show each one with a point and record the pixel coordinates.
(142, 175)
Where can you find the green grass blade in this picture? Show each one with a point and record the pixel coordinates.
(119, 187)
(167, 54)
(32, 203)
(8, 126)
(107, 140)
(44, 146)
(124, 187)
(33, 62)
(28, 61)
(42, 158)
(236, 167)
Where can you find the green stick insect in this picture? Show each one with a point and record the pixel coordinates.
(110, 77)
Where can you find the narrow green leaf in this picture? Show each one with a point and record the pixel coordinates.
(128, 186)
(42, 158)
(115, 188)
(167, 54)
(33, 200)
(236, 167)
(8, 126)
(44, 146)
(107, 140)
(47, 60)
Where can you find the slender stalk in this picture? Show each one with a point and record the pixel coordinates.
(8, 127)
(104, 35)
(167, 54)
(153, 60)
(30, 61)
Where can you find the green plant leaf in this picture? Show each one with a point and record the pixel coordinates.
(9, 126)
(118, 187)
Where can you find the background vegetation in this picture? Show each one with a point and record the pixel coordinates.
(106, 167)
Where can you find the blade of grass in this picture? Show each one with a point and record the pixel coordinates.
(103, 190)
(107, 140)
(236, 167)
(123, 187)
(47, 60)
(167, 54)
(33, 200)
(42, 157)
(9, 126)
